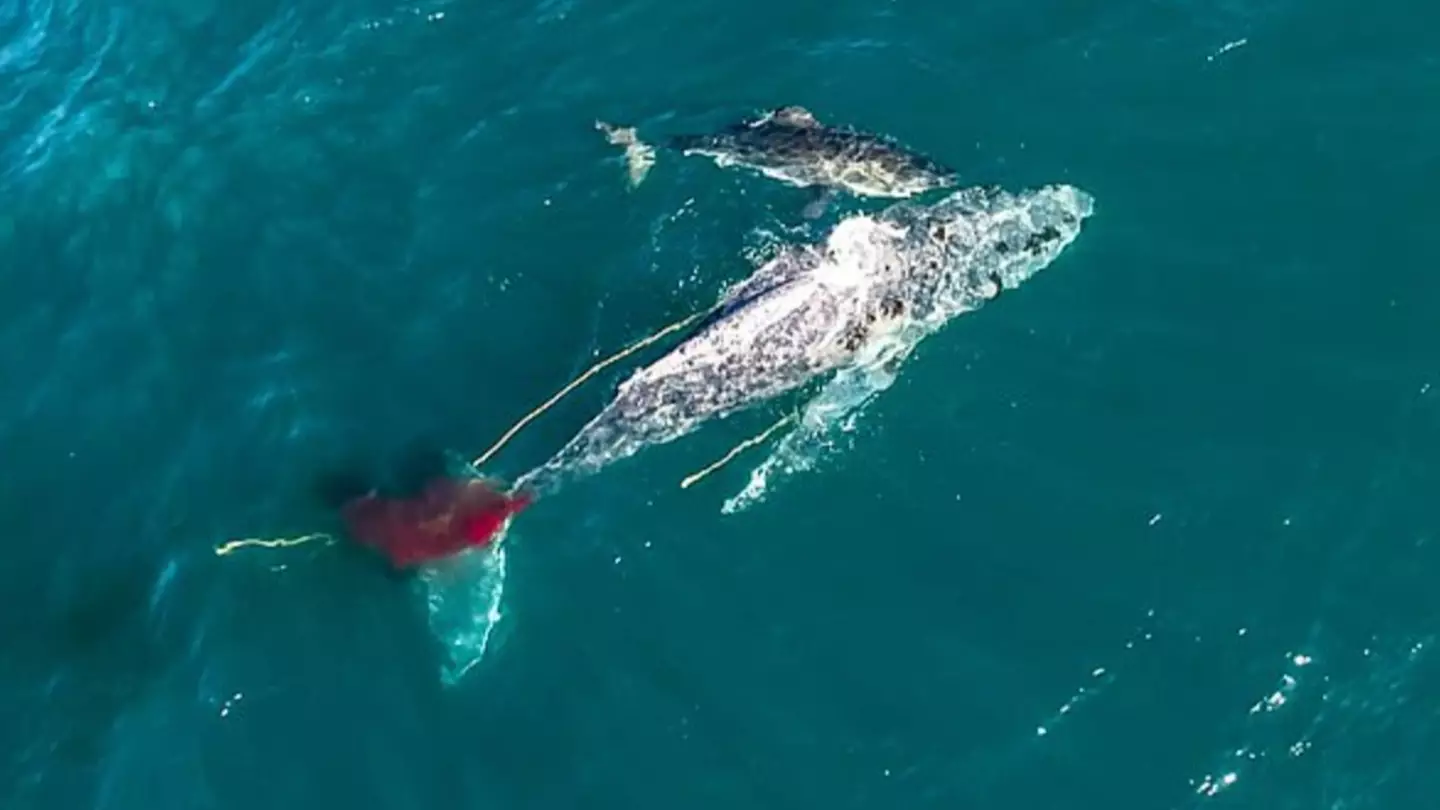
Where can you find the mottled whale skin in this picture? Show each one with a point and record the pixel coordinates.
(792, 146)
(815, 308)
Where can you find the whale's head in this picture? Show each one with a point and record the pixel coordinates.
(977, 242)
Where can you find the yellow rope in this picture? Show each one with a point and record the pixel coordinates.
(736, 450)
(592, 371)
(287, 542)
(281, 542)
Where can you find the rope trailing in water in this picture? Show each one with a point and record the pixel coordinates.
(288, 542)
(279, 542)
(737, 450)
(578, 381)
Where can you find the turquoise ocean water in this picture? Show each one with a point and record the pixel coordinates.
(1157, 530)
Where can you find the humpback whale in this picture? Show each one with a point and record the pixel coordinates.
(815, 308)
(791, 145)
(866, 294)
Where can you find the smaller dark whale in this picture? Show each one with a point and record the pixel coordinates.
(790, 144)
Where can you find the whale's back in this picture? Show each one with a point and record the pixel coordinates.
(779, 329)
(772, 339)
(793, 319)
(862, 163)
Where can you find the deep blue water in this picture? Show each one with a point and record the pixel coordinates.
(1158, 530)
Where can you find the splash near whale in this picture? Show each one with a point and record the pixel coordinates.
(855, 304)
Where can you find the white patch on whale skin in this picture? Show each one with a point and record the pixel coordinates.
(856, 249)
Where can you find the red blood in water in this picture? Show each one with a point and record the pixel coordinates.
(447, 518)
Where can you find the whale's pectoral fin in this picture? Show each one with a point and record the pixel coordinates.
(820, 199)
(639, 156)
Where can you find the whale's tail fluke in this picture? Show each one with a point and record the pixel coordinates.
(639, 156)
(447, 517)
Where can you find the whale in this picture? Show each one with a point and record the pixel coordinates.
(866, 295)
(813, 309)
(791, 145)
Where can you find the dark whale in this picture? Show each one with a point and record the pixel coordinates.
(792, 146)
